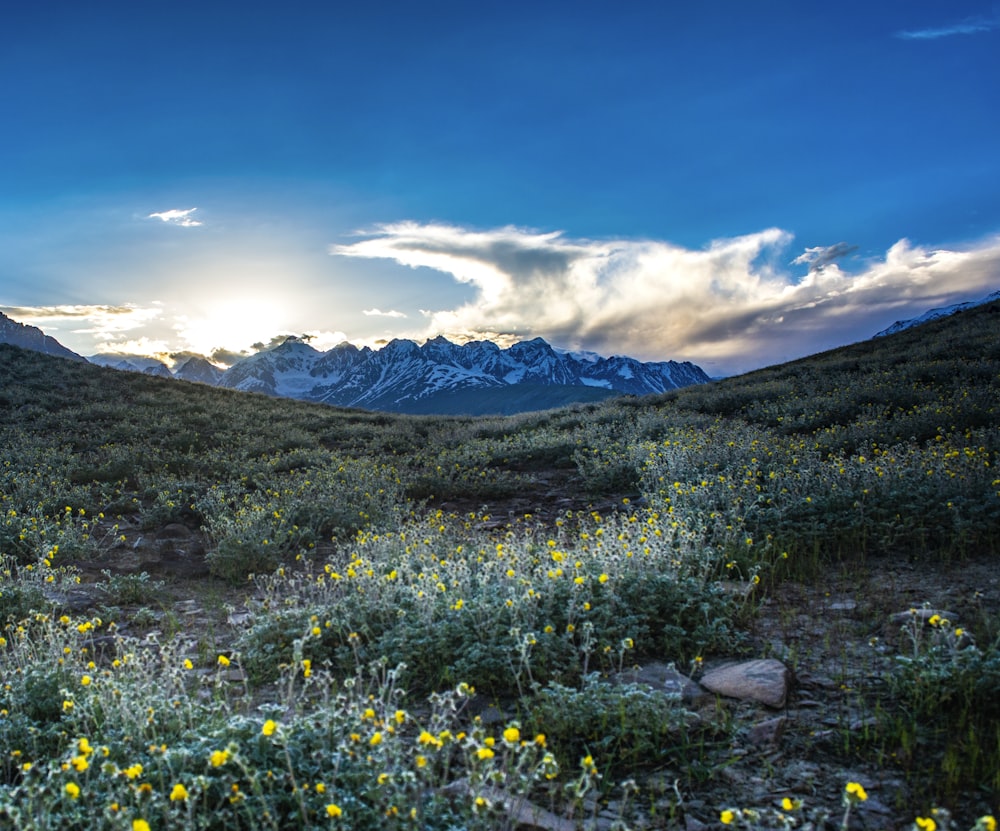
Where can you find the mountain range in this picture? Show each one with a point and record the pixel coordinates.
(437, 376)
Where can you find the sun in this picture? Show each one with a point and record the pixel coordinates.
(231, 324)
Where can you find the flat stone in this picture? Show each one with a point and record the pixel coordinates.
(924, 615)
(765, 680)
(665, 678)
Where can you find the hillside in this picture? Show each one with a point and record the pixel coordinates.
(786, 514)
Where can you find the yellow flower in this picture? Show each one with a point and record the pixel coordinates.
(219, 758)
(134, 771)
(84, 746)
(179, 793)
(726, 817)
(73, 790)
(540, 740)
(421, 761)
(925, 824)
(188, 664)
(85, 680)
(320, 788)
(376, 739)
(306, 667)
(79, 763)
(788, 804)
(512, 735)
(484, 753)
(854, 792)
(223, 661)
(269, 728)
(986, 823)
(140, 825)
(333, 810)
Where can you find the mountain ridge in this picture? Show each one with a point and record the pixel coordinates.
(934, 314)
(440, 376)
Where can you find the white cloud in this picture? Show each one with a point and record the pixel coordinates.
(968, 26)
(177, 217)
(379, 313)
(730, 306)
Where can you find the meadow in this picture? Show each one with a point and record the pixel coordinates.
(425, 622)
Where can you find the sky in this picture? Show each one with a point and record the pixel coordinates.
(727, 182)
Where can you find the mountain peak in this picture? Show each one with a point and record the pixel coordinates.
(33, 338)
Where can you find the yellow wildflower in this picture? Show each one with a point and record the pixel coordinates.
(179, 793)
(219, 758)
(72, 790)
(854, 792)
(925, 824)
(727, 817)
(333, 810)
(269, 727)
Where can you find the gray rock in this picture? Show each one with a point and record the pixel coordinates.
(664, 678)
(923, 615)
(767, 732)
(765, 680)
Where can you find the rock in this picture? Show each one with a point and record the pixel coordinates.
(72, 600)
(174, 531)
(521, 812)
(767, 732)
(765, 680)
(923, 615)
(844, 606)
(664, 678)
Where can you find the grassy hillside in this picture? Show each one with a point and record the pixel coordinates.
(365, 570)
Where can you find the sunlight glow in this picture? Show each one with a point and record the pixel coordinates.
(234, 325)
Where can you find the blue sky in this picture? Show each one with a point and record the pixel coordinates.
(732, 183)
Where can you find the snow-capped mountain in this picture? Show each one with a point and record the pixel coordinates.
(31, 337)
(440, 376)
(132, 363)
(199, 370)
(934, 314)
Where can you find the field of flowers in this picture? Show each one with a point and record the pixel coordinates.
(415, 647)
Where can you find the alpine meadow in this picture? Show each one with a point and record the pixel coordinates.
(222, 610)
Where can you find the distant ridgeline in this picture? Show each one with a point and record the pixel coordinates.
(438, 377)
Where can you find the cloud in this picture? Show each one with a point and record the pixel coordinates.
(821, 256)
(968, 26)
(730, 306)
(379, 313)
(177, 217)
(99, 321)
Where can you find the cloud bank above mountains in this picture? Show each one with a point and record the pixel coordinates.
(734, 305)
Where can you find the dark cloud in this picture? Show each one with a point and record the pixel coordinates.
(820, 257)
